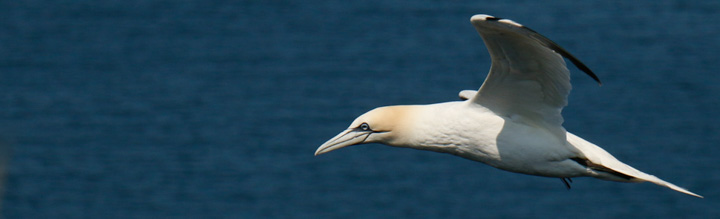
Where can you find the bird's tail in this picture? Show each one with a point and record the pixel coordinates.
(658, 181)
(610, 168)
(631, 174)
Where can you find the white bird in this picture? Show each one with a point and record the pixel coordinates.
(513, 122)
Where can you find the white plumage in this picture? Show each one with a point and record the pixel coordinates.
(513, 122)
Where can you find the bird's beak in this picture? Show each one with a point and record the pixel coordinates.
(346, 138)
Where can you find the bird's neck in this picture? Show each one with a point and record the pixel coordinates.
(425, 129)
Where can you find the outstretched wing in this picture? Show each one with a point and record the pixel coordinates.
(528, 79)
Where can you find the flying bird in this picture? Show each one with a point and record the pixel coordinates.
(513, 122)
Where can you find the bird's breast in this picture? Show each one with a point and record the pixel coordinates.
(481, 135)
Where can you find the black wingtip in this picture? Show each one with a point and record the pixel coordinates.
(585, 69)
(555, 47)
(574, 60)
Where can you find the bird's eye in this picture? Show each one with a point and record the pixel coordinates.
(364, 127)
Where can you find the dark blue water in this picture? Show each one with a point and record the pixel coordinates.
(213, 109)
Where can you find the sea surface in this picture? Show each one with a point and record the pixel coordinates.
(213, 109)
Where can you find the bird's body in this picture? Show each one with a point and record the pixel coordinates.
(454, 128)
(512, 122)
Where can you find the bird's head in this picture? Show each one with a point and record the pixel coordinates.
(385, 125)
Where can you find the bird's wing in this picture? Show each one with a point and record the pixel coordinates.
(528, 79)
(467, 94)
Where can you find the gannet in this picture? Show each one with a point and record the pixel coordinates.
(513, 122)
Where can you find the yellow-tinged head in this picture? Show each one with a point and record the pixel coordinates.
(387, 125)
